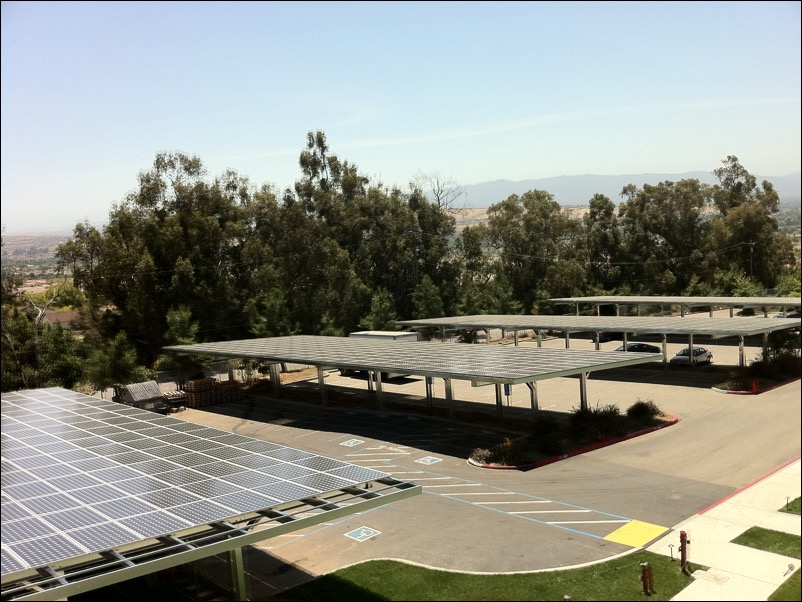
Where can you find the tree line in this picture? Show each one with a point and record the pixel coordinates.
(185, 258)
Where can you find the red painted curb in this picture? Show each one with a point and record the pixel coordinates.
(745, 487)
(581, 450)
(756, 391)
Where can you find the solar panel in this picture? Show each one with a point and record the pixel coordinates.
(717, 327)
(496, 363)
(82, 475)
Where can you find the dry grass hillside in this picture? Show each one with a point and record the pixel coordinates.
(472, 216)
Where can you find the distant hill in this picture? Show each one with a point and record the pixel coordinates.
(578, 190)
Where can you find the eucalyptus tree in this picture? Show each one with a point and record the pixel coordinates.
(529, 234)
(602, 241)
(746, 236)
(663, 230)
(174, 241)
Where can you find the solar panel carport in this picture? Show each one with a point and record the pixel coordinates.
(684, 302)
(716, 328)
(96, 492)
(499, 365)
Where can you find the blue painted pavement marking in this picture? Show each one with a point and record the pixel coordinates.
(363, 533)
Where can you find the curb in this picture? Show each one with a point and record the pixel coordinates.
(755, 391)
(578, 451)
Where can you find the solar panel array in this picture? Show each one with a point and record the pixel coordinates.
(687, 301)
(717, 327)
(490, 363)
(81, 475)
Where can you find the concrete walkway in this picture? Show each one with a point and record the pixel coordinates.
(738, 572)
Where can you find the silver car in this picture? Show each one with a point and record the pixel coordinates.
(701, 355)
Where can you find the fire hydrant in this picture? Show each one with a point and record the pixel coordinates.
(646, 578)
(684, 542)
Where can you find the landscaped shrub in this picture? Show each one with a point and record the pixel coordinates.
(550, 444)
(644, 411)
(581, 425)
(787, 364)
(508, 453)
(739, 379)
(481, 455)
(596, 424)
(780, 367)
(545, 425)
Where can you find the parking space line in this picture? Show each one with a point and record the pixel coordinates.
(552, 511)
(589, 522)
(524, 502)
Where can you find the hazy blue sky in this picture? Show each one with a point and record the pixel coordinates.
(472, 91)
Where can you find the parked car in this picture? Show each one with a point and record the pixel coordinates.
(701, 355)
(640, 348)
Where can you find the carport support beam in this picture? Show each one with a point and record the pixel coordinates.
(533, 396)
(429, 393)
(691, 363)
(275, 379)
(321, 381)
(741, 359)
(449, 397)
(583, 390)
(499, 404)
(379, 397)
(237, 574)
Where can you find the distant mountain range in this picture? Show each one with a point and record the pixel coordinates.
(578, 190)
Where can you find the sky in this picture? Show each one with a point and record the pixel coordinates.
(469, 92)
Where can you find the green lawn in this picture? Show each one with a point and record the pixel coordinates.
(618, 579)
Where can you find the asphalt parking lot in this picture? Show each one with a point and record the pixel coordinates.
(578, 510)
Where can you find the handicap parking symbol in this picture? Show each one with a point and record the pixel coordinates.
(352, 442)
(428, 460)
(363, 533)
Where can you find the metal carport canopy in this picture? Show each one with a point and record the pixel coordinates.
(682, 301)
(477, 363)
(714, 327)
(97, 492)
(495, 364)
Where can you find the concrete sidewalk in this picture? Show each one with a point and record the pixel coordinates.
(738, 572)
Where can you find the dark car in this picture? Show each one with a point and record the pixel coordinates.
(640, 348)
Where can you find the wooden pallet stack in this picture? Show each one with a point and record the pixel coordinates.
(200, 392)
(229, 390)
(208, 391)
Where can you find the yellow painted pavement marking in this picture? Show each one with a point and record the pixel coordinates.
(636, 533)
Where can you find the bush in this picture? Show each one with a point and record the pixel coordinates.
(481, 455)
(551, 445)
(644, 411)
(599, 423)
(738, 379)
(546, 425)
(780, 367)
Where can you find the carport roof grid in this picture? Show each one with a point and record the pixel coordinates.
(93, 488)
(714, 327)
(680, 300)
(502, 364)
